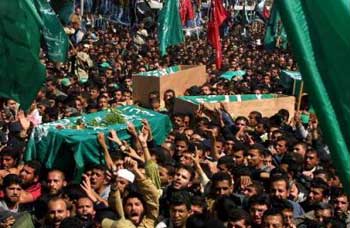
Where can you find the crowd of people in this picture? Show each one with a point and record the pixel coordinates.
(213, 169)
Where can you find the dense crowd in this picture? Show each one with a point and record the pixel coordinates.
(213, 169)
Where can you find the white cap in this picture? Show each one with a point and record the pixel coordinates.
(126, 174)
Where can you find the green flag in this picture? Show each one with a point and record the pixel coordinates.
(21, 73)
(319, 33)
(275, 31)
(55, 38)
(64, 9)
(169, 26)
(291, 82)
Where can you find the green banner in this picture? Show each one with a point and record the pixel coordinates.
(64, 9)
(169, 26)
(59, 144)
(226, 98)
(319, 33)
(275, 31)
(232, 74)
(291, 81)
(55, 38)
(160, 73)
(21, 72)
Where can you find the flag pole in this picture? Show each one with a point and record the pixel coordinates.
(81, 8)
(294, 84)
(300, 96)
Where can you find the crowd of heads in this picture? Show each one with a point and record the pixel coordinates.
(213, 169)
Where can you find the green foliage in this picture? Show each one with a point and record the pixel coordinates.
(112, 117)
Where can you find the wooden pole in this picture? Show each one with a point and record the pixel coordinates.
(300, 96)
(294, 84)
(81, 8)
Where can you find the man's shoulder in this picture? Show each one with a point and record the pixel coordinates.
(34, 188)
(2, 204)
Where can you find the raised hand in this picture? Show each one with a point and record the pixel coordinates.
(131, 164)
(114, 137)
(131, 129)
(86, 186)
(101, 139)
(25, 123)
(143, 136)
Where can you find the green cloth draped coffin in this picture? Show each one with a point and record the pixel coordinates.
(225, 98)
(61, 145)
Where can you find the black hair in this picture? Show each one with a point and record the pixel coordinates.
(278, 172)
(319, 183)
(323, 206)
(325, 172)
(280, 178)
(134, 194)
(73, 191)
(260, 148)
(99, 167)
(257, 115)
(36, 165)
(294, 161)
(14, 153)
(240, 146)
(221, 176)
(72, 222)
(181, 137)
(258, 186)
(224, 206)
(284, 113)
(11, 179)
(188, 168)
(281, 204)
(273, 212)
(203, 221)
(242, 118)
(260, 200)
(199, 201)
(226, 160)
(179, 198)
(241, 171)
(239, 214)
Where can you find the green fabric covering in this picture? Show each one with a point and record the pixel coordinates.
(225, 98)
(319, 33)
(169, 26)
(54, 36)
(287, 79)
(160, 73)
(71, 149)
(64, 9)
(275, 29)
(232, 74)
(21, 72)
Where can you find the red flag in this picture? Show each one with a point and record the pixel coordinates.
(218, 15)
(186, 11)
(266, 12)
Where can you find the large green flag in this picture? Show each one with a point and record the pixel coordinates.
(275, 34)
(319, 33)
(55, 38)
(169, 26)
(21, 73)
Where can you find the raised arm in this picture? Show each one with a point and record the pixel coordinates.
(102, 141)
